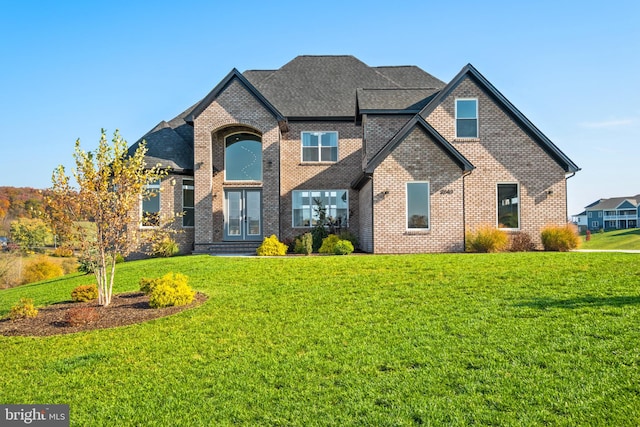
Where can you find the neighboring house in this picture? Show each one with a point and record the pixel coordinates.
(613, 214)
(580, 220)
(403, 160)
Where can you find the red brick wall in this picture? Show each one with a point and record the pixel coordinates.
(503, 153)
(418, 158)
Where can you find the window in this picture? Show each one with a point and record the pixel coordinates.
(466, 118)
(319, 146)
(151, 205)
(595, 224)
(188, 205)
(508, 206)
(243, 157)
(417, 205)
(310, 205)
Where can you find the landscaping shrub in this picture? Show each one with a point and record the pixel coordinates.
(23, 309)
(304, 244)
(560, 238)
(521, 242)
(62, 252)
(329, 244)
(147, 284)
(271, 246)
(319, 233)
(41, 269)
(81, 316)
(69, 265)
(487, 239)
(348, 235)
(165, 247)
(343, 247)
(85, 293)
(170, 290)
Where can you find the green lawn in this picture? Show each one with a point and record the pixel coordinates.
(485, 339)
(616, 239)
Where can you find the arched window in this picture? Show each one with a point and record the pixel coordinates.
(243, 157)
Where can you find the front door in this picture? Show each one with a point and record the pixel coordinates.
(243, 215)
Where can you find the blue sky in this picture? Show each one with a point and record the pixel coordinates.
(70, 68)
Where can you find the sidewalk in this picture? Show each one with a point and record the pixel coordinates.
(626, 251)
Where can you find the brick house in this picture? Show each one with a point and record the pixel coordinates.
(403, 160)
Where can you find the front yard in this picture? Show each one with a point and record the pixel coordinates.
(500, 339)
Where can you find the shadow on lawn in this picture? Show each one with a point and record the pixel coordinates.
(545, 303)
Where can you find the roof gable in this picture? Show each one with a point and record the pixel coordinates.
(417, 121)
(468, 71)
(234, 75)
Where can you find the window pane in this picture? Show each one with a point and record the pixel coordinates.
(309, 154)
(466, 109)
(188, 217)
(417, 205)
(151, 209)
(243, 158)
(329, 154)
(306, 204)
(467, 128)
(508, 203)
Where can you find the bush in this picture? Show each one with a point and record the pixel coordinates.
(62, 252)
(343, 247)
(319, 233)
(560, 238)
(41, 269)
(329, 244)
(81, 316)
(84, 293)
(521, 242)
(271, 246)
(147, 284)
(348, 235)
(487, 239)
(304, 244)
(165, 248)
(170, 290)
(23, 309)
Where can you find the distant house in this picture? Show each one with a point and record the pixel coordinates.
(613, 214)
(405, 161)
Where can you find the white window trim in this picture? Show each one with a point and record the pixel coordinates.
(519, 207)
(319, 147)
(406, 206)
(153, 186)
(188, 187)
(477, 118)
(312, 191)
(224, 155)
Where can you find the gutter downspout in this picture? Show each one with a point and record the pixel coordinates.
(566, 192)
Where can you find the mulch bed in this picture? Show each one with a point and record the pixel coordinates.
(125, 309)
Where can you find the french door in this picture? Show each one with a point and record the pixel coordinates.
(243, 214)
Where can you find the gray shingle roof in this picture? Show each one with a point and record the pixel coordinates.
(613, 203)
(325, 86)
(407, 100)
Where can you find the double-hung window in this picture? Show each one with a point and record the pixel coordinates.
(417, 205)
(319, 146)
(310, 207)
(508, 206)
(188, 206)
(466, 118)
(151, 205)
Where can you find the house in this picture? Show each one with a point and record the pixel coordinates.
(615, 213)
(580, 221)
(403, 160)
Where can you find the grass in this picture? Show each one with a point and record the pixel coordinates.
(488, 339)
(616, 239)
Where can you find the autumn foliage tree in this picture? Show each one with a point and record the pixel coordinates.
(111, 181)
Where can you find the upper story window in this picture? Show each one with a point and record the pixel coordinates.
(243, 157)
(466, 118)
(151, 205)
(319, 146)
(188, 205)
(508, 206)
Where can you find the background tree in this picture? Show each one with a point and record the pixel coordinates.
(29, 233)
(111, 182)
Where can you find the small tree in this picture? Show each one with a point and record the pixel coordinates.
(111, 183)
